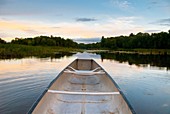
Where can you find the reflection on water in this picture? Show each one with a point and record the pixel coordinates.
(148, 90)
(139, 60)
(52, 56)
(23, 80)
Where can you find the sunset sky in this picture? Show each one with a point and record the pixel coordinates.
(82, 19)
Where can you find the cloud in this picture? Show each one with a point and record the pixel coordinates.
(161, 4)
(56, 27)
(123, 4)
(165, 20)
(154, 2)
(152, 31)
(85, 19)
(3, 19)
(122, 23)
(31, 31)
(110, 27)
(87, 40)
(4, 35)
(162, 22)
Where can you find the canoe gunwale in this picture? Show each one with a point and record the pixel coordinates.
(124, 97)
(46, 90)
(36, 102)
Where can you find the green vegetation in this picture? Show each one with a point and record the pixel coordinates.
(45, 41)
(2, 41)
(41, 46)
(142, 43)
(140, 40)
(8, 51)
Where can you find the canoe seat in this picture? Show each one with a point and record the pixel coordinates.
(84, 72)
(82, 93)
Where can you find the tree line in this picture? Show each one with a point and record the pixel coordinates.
(43, 41)
(140, 40)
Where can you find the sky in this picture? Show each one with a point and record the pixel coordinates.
(82, 20)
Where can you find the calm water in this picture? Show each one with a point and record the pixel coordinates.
(145, 84)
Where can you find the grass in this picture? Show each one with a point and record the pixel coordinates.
(8, 51)
(20, 51)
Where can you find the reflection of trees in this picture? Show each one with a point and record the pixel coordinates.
(62, 54)
(137, 59)
(52, 56)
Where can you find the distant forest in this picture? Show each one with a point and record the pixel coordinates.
(140, 40)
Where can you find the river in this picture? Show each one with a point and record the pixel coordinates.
(144, 80)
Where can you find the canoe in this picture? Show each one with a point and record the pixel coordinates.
(83, 87)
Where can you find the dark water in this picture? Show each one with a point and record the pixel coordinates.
(145, 80)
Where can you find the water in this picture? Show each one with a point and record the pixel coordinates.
(146, 85)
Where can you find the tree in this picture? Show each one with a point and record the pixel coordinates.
(2, 41)
(131, 34)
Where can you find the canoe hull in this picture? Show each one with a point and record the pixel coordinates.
(97, 101)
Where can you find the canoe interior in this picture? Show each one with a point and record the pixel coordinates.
(52, 103)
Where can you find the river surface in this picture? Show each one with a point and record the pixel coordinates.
(145, 84)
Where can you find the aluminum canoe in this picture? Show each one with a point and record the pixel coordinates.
(83, 87)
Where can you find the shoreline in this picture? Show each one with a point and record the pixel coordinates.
(135, 51)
